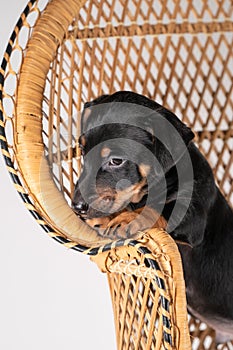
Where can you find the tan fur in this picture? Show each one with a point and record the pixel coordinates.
(83, 141)
(105, 152)
(128, 223)
(144, 169)
(86, 114)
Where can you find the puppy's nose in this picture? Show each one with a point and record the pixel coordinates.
(80, 207)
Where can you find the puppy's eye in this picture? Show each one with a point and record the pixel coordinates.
(116, 162)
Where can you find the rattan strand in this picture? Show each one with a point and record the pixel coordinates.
(76, 51)
(129, 281)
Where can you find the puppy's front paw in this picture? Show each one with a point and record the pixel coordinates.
(129, 223)
(119, 227)
(99, 223)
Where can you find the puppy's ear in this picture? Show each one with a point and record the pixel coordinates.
(171, 135)
(162, 120)
(184, 131)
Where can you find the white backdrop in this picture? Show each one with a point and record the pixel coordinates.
(50, 297)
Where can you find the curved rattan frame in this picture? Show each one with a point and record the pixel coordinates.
(140, 246)
(162, 264)
(28, 110)
(29, 113)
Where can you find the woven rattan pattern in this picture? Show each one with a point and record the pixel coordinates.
(126, 45)
(142, 294)
(137, 303)
(190, 73)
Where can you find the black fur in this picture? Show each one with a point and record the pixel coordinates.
(207, 226)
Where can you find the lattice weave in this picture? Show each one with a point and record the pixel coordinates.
(64, 53)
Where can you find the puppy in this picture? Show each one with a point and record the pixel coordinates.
(142, 170)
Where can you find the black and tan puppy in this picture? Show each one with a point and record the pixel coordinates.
(142, 170)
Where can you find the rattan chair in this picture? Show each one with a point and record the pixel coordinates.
(63, 53)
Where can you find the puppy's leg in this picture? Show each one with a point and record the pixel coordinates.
(128, 223)
(191, 229)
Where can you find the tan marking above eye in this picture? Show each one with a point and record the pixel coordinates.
(105, 152)
(144, 169)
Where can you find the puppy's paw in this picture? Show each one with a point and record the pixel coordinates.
(119, 227)
(99, 223)
(129, 223)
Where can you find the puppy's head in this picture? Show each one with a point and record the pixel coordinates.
(114, 174)
(126, 145)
